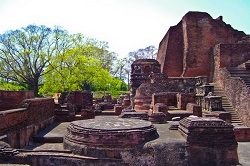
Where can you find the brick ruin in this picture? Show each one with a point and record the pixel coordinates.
(187, 48)
(175, 92)
(12, 99)
(20, 124)
(202, 46)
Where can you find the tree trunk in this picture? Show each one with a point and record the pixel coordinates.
(34, 86)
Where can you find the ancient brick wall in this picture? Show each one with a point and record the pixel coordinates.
(144, 92)
(231, 55)
(170, 45)
(167, 98)
(237, 93)
(199, 33)
(19, 125)
(11, 119)
(12, 99)
(39, 109)
(171, 84)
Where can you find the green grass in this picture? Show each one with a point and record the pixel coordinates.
(116, 94)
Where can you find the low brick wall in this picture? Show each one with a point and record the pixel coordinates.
(14, 118)
(183, 99)
(242, 134)
(12, 99)
(39, 109)
(19, 125)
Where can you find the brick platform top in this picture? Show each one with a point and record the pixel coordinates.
(97, 137)
(112, 124)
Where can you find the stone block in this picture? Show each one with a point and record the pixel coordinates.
(160, 107)
(210, 136)
(157, 117)
(126, 102)
(168, 98)
(87, 114)
(195, 109)
(242, 133)
(207, 131)
(64, 115)
(183, 99)
(226, 116)
(134, 115)
(118, 109)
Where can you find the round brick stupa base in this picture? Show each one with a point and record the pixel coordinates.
(107, 137)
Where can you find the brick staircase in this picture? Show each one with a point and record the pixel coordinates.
(242, 73)
(218, 91)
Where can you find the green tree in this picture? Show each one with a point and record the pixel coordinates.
(69, 71)
(25, 53)
(95, 49)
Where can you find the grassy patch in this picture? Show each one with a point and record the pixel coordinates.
(116, 94)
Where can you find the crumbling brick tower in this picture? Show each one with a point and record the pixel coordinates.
(187, 48)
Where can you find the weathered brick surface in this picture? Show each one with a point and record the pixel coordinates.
(140, 70)
(12, 99)
(79, 99)
(195, 34)
(171, 43)
(39, 109)
(231, 55)
(171, 85)
(237, 93)
(195, 109)
(210, 136)
(20, 124)
(242, 133)
(183, 99)
(11, 119)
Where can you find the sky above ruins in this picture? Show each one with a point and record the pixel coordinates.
(127, 25)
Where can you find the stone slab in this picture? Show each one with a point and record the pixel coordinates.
(52, 134)
(112, 124)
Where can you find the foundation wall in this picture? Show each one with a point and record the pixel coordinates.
(19, 125)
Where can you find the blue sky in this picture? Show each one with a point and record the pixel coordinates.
(126, 25)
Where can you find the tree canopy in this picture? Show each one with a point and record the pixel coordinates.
(71, 71)
(30, 53)
(25, 53)
(48, 60)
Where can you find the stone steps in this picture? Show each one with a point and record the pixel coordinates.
(226, 105)
(242, 73)
(52, 134)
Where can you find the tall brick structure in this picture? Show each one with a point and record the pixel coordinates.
(187, 48)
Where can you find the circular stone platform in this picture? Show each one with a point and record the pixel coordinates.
(107, 136)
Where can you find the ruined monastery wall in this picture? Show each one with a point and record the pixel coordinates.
(199, 33)
(19, 125)
(171, 45)
(232, 55)
(12, 99)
